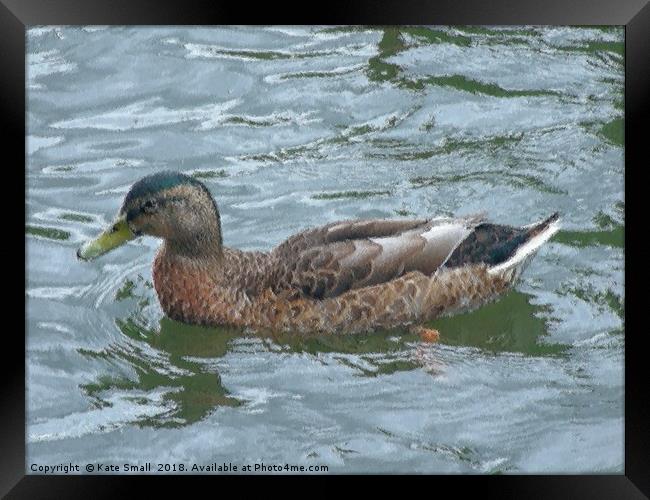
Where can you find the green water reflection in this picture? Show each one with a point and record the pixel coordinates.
(192, 390)
(511, 324)
(175, 358)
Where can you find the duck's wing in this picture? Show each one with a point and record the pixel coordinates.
(332, 259)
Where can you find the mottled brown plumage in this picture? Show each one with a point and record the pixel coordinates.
(344, 277)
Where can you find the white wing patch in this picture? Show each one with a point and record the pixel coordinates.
(446, 231)
(428, 249)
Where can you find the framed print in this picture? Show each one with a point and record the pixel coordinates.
(391, 241)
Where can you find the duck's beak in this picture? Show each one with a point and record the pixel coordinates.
(116, 235)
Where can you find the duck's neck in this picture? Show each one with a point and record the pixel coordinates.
(202, 243)
(199, 249)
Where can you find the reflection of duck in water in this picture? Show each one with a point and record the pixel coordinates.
(344, 277)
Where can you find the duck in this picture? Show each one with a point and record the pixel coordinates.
(343, 277)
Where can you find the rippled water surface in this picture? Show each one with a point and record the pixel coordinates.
(296, 127)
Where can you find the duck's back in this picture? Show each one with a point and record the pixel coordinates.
(330, 260)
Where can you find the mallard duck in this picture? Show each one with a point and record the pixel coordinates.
(344, 277)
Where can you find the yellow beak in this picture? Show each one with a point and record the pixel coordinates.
(113, 237)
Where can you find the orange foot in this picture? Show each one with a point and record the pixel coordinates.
(426, 334)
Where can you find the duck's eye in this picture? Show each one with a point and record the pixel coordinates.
(114, 229)
(149, 206)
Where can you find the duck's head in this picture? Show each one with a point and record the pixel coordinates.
(167, 205)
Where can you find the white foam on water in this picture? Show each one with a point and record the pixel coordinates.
(119, 413)
(150, 113)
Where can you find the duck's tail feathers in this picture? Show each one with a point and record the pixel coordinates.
(539, 233)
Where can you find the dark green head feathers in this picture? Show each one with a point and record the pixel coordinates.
(153, 192)
(154, 185)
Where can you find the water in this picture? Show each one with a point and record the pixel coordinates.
(296, 127)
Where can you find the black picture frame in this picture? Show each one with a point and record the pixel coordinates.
(17, 15)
